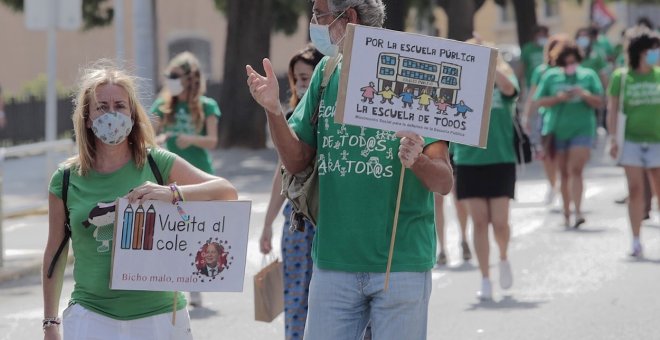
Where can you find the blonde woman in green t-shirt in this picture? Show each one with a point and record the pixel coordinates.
(187, 121)
(115, 140)
(640, 152)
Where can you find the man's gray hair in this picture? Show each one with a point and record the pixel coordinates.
(370, 12)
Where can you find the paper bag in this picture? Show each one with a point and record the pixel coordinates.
(269, 292)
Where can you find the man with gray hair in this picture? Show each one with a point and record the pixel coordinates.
(359, 174)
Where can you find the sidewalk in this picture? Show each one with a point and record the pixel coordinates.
(25, 196)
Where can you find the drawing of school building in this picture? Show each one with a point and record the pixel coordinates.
(399, 73)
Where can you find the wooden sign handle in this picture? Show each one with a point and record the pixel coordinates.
(174, 308)
(396, 222)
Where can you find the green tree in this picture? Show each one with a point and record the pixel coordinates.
(96, 13)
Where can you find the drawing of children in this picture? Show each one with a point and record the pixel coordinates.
(368, 92)
(387, 95)
(442, 106)
(461, 109)
(407, 97)
(424, 100)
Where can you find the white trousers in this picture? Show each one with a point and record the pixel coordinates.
(80, 323)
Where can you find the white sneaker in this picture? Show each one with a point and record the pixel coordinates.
(486, 292)
(550, 196)
(506, 276)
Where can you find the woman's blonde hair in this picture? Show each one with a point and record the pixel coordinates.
(141, 138)
(196, 87)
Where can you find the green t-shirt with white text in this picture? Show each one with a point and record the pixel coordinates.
(641, 103)
(358, 182)
(574, 117)
(183, 124)
(90, 200)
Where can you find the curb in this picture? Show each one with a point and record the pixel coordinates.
(32, 267)
(31, 211)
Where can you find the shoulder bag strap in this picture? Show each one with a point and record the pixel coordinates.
(154, 169)
(67, 223)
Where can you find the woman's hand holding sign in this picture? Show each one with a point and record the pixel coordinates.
(411, 147)
(265, 90)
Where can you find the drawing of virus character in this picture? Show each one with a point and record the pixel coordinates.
(368, 92)
(102, 217)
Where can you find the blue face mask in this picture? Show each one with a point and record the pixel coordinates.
(583, 41)
(653, 56)
(320, 35)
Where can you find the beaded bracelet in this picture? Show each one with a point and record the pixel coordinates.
(176, 194)
(176, 198)
(50, 322)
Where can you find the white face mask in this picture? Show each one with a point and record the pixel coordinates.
(320, 35)
(112, 128)
(174, 86)
(300, 91)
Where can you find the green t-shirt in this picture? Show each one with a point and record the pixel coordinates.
(183, 124)
(358, 182)
(596, 60)
(603, 43)
(641, 104)
(499, 148)
(531, 56)
(92, 214)
(539, 71)
(574, 117)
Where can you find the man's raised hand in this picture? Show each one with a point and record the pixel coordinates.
(265, 90)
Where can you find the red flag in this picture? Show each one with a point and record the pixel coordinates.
(601, 15)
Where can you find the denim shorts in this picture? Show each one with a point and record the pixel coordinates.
(342, 303)
(562, 145)
(80, 323)
(644, 155)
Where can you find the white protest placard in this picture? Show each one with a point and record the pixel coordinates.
(435, 87)
(155, 248)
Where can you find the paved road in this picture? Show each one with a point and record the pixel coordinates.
(569, 284)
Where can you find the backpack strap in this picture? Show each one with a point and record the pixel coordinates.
(330, 68)
(154, 169)
(67, 223)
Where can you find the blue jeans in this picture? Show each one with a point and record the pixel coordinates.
(342, 303)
